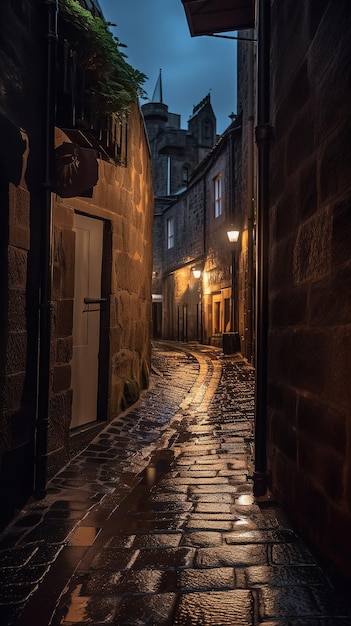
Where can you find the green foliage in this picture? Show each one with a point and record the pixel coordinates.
(114, 84)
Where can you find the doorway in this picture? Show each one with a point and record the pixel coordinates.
(86, 318)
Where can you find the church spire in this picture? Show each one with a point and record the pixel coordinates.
(157, 95)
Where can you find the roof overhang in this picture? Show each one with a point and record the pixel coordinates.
(206, 17)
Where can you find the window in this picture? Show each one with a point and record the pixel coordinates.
(170, 232)
(218, 195)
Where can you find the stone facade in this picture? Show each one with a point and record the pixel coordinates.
(176, 151)
(309, 397)
(123, 200)
(204, 308)
(185, 166)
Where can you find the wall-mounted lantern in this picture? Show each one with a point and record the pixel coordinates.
(196, 272)
(233, 234)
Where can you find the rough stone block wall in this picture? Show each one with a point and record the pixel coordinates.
(180, 289)
(123, 198)
(188, 228)
(310, 272)
(20, 183)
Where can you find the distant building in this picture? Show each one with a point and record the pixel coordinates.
(201, 289)
(175, 154)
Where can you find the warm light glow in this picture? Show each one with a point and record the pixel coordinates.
(233, 235)
(196, 272)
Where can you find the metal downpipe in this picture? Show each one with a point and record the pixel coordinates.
(263, 140)
(250, 202)
(45, 304)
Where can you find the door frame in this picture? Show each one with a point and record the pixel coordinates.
(104, 375)
(104, 344)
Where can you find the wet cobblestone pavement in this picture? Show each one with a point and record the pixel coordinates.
(155, 523)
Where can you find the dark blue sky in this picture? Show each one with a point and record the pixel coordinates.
(157, 36)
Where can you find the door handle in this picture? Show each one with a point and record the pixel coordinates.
(88, 301)
(94, 300)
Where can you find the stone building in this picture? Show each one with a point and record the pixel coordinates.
(192, 179)
(309, 401)
(175, 151)
(303, 199)
(76, 257)
(203, 290)
(200, 191)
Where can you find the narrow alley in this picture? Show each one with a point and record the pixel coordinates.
(155, 523)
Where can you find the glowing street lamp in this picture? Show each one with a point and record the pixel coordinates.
(196, 272)
(233, 234)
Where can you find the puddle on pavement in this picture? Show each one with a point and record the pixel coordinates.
(77, 608)
(159, 465)
(84, 536)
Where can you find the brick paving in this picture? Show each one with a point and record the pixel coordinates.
(155, 522)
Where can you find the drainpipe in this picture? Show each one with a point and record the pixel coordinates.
(233, 219)
(263, 140)
(42, 419)
(203, 320)
(250, 199)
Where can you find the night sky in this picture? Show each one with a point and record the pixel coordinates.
(157, 37)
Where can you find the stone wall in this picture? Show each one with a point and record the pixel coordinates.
(200, 240)
(310, 272)
(123, 198)
(21, 97)
(179, 287)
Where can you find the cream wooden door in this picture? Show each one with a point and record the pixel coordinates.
(86, 318)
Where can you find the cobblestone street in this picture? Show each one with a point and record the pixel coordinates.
(155, 522)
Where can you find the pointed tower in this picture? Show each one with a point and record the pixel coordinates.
(157, 95)
(175, 152)
(155, 112)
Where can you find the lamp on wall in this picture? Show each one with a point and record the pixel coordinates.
(196, 272)
(233, 234)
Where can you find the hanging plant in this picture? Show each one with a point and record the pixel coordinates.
(114, 84)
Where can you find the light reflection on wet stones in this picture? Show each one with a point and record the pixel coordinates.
(256, 536)
(284, 602)
(207, 609)
(45, 554)
(51, 531)
(166, 558)
(139, 581)
(279, 576)
(160, 540)
(205, 524)
(15, 594)
(206, 579)
(17, 557)
(202, 539)
(109, 558)
(154, 610)
(101, 583)
(233, 556)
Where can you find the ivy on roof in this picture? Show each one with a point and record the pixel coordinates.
(114, 84)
